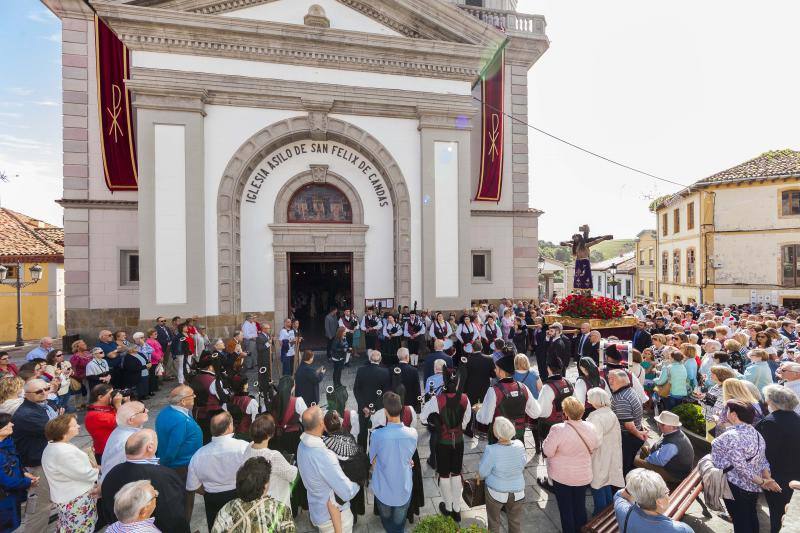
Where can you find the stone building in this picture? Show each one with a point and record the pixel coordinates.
(646, 281)
(734, 237)
(295, 153)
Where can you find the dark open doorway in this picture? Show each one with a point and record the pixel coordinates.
(317, 282)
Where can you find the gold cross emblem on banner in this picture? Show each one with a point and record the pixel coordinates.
(494, 136)
(114, 112)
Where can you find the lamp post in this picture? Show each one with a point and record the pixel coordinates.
(613, 271)
(36, 275)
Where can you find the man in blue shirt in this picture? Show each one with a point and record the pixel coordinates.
(390, 451)
(673, 456)
(323, 476)
(41, 351)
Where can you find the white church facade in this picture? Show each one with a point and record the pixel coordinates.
(293, 152)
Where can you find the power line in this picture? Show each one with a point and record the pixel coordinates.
(582, 149)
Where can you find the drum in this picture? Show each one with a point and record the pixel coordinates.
(448, 344)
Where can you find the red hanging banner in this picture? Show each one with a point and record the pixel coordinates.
(113, 106)
(492, 99)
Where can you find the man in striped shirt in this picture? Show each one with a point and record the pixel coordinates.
(628, 407)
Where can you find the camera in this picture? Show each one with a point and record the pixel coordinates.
(125, 393)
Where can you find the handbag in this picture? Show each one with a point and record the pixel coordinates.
(473, 492)
(664, 390)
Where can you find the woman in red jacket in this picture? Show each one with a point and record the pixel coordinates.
(101, 416)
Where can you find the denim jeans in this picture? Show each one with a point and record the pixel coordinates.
(288, 365)
(602, 498)
(671, 401)
(392, 518)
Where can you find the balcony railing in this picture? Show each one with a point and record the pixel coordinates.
(508, 21)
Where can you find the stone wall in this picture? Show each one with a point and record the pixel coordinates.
(88, 322)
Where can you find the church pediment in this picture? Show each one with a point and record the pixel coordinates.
(418, 19)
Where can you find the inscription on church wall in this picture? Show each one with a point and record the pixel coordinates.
(318, 152)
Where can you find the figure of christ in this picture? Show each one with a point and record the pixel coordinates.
(581, 243)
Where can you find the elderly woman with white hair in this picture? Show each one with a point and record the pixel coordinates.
(502, 466)
(641, 504)
(781, 432)
(607, 458)
(145, 351)
(133, 506)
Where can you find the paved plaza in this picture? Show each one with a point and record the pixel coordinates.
(541, 511)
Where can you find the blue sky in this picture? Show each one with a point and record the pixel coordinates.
(680, 89)
(30, 109)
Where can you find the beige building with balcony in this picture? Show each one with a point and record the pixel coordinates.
(734, 237)
(645, 278)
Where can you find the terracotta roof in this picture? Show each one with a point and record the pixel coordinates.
(773, 164)
(28, 239)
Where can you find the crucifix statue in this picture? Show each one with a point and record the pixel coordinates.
(580, 243)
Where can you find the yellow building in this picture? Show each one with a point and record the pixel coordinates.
(734, 237)
(645, 279)
(29, 241)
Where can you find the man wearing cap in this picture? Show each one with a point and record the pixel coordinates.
(660, 326)
(789, 372)
(507, 398)
(673, 455)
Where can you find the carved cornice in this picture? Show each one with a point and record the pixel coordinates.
(304, 96)
(164, 98)
(196, 34)
(448, 119)
(533, 213)
(127, 205)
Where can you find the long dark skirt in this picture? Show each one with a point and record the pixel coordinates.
(287, 444)
(417, 493)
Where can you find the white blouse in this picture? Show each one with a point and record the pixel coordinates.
(68, 471)
(283, 474)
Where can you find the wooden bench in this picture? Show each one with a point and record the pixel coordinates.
(680, 500)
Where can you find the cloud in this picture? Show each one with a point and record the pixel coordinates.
(20, 91)
(42, 16)
(5, 114)
(11, 141)
(47, 103)
(53, 37)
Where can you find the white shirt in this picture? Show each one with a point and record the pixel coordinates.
(419, 324)
(214, 466)
(67, 471)
(463, 329)
(283, 474)
(374, 329)
(287, 335)
(379, 418)
(795, 386)
(355, 425)
(251, 409)
(432, 406)
(344, 322)
(114, 452)
(249, 330)
(579, 393)
(446, 328)
(485, 414)
(387, 333)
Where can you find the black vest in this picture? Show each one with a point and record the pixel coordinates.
(681, 465)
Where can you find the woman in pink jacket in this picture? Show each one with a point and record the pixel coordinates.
(568, 449)
(155, 359)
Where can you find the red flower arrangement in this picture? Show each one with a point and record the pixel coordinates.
(583, 306)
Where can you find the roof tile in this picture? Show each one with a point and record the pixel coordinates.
(23, 237)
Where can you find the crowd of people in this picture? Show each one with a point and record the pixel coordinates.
(259, 457)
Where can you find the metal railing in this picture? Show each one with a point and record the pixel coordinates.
(508, 21)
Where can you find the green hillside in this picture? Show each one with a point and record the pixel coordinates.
(614, 248)
(600, 252)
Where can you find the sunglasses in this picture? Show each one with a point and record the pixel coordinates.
(40, 391)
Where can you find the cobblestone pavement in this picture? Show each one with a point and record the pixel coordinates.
(540, 513)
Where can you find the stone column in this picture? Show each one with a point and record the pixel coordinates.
(157, 106)
(438, 126)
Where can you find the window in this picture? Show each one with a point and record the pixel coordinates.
(481, 265)
(690, 266)
(664, 267)
(628, 287)
(650, 256)
(664, 224)
(676, 266)
(476, 3)
(13, 272)
(790, 203)
(790, 265)
(690, 216)
(599, 284)
(676, 220)
(129, 268)
(641, 257)
(650, 288)
(319, 204)
(641, 286)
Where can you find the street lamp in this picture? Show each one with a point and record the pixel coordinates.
(613, 271)
(541, 269)
(36, 275)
